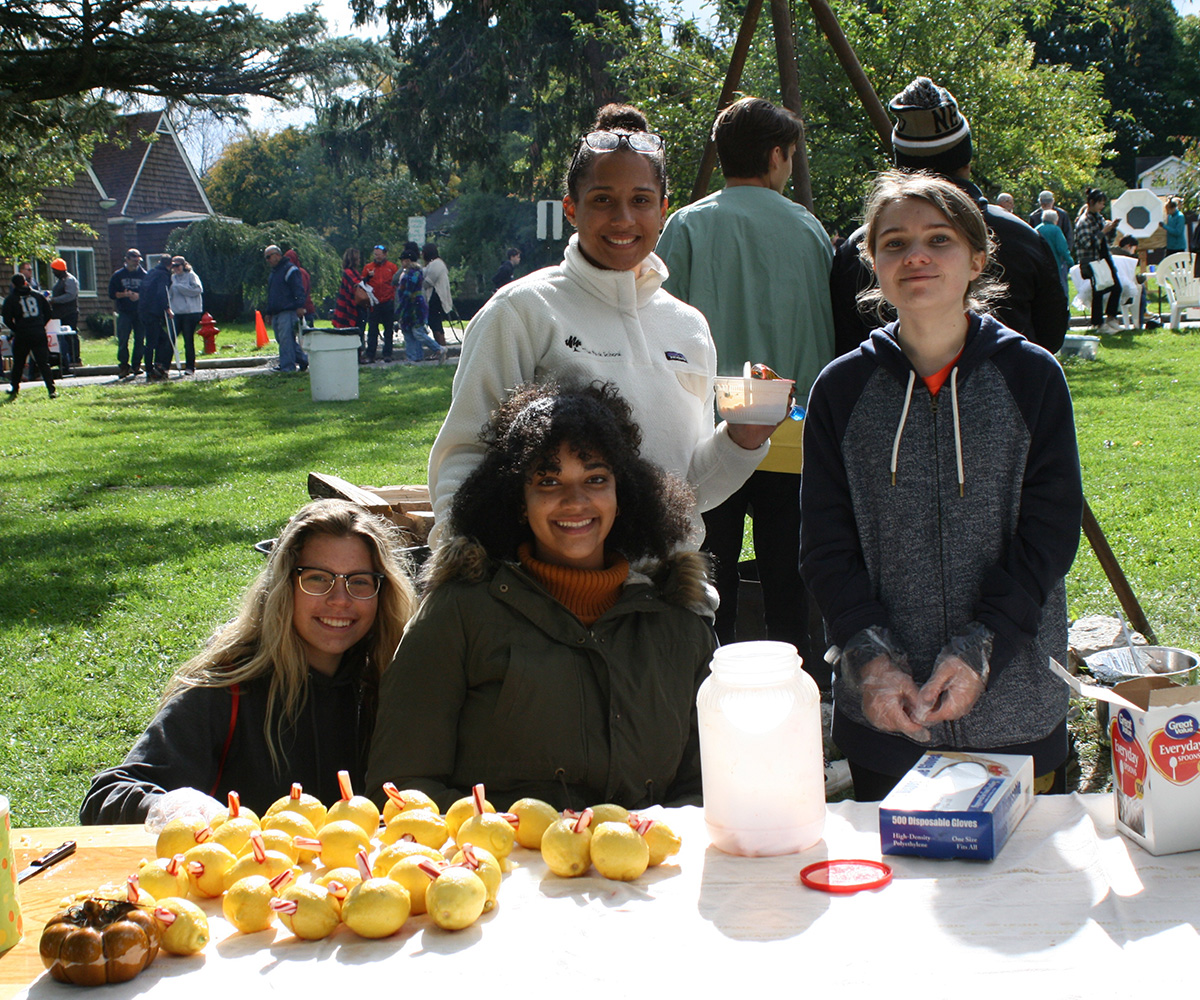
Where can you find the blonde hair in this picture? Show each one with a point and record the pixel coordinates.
(960, 210)
(261, 640)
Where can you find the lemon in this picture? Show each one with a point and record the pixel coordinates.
(534, 817)
(273, 863)
(463, 810)
(607, 812)
(235, 833)
(401, 849)
(455, 898)
(315, 916)
(619, 852)
(243, 813)
(180, 836)
(565, 851)
(490, 831)
(157, 879)
(341, 840)
(247, 904)
(402, 801)
(407, 872)
(662, 841)
(308, 806)
(187, 933)
(294, 825)
(339, 882)
(276, 840)
(356, 809)
(425, 826)
(206, 867)
(487, 868)
(347, 876)
(376, 908)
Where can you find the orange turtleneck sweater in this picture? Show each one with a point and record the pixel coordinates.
(586, 593)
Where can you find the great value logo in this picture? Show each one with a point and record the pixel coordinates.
(1129, 762)
(1175, 749)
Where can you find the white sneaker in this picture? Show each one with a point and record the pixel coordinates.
(1110, 325)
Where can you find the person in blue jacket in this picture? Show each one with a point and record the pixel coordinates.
(941, 505)
(153, 308)
(285, 308)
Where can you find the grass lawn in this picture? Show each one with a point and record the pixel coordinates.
(128, 515)
(236, 340)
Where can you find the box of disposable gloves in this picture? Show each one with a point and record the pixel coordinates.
(957, 804)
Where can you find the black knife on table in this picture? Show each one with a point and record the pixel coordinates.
(64, 850)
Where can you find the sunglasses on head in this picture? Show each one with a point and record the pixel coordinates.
(604, 141)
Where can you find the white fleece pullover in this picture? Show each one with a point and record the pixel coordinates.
(579, 322)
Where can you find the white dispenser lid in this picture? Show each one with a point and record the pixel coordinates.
(754, 663)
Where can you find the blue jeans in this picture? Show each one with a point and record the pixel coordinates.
(1064, 278)
(415, 337)
(127, 323)
(285, 325)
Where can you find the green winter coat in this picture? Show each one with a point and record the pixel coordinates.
(496, 682)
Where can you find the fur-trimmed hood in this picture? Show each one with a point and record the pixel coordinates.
(682, 580)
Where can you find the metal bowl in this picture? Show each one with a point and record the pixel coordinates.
(1111, 666)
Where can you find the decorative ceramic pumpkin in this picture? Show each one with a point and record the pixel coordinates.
(99, 941)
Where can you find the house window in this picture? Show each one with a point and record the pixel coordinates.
(81, 262)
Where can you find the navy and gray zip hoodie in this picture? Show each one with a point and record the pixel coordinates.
(924, 513)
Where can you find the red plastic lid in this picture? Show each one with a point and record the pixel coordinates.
(846, 875)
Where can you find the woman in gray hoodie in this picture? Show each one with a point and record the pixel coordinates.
(186, 295)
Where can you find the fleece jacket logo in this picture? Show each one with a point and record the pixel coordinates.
(576, 345)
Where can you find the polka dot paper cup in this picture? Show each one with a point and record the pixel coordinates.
(10, 908)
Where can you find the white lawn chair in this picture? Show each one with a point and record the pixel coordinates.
(1176, 273)
(1131, 290)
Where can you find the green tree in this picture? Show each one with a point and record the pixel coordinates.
(1031, 124)
(61, 63)
(229, 259)
(1151, 70)
(503, 86)
(290, 174)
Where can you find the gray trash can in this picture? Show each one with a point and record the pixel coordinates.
(332, 362)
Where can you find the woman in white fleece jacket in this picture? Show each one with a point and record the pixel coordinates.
(603, 315)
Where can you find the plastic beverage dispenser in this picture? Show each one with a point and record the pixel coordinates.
(760, 749)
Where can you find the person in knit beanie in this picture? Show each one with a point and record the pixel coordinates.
(931, 133)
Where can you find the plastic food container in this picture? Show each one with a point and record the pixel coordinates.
(1079, 345)
(753, 400)
(760, 751)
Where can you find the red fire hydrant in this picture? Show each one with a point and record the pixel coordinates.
(208, 330)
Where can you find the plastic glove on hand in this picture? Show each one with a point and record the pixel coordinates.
(950, 693)
(181, 803)
(890, 700)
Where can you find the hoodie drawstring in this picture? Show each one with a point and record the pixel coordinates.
(912, 377)
(957, 427)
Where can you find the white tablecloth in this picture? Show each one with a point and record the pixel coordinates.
(1069, 909)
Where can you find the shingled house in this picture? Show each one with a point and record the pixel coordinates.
(132, 196)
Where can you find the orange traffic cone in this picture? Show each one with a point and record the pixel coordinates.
(260, 330)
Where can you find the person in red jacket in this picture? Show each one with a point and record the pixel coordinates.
(379, 274)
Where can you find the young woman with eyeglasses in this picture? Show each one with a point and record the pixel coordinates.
(602, 314)
(284, 692)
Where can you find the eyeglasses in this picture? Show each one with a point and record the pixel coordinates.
(319, 582)
(605, 141)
